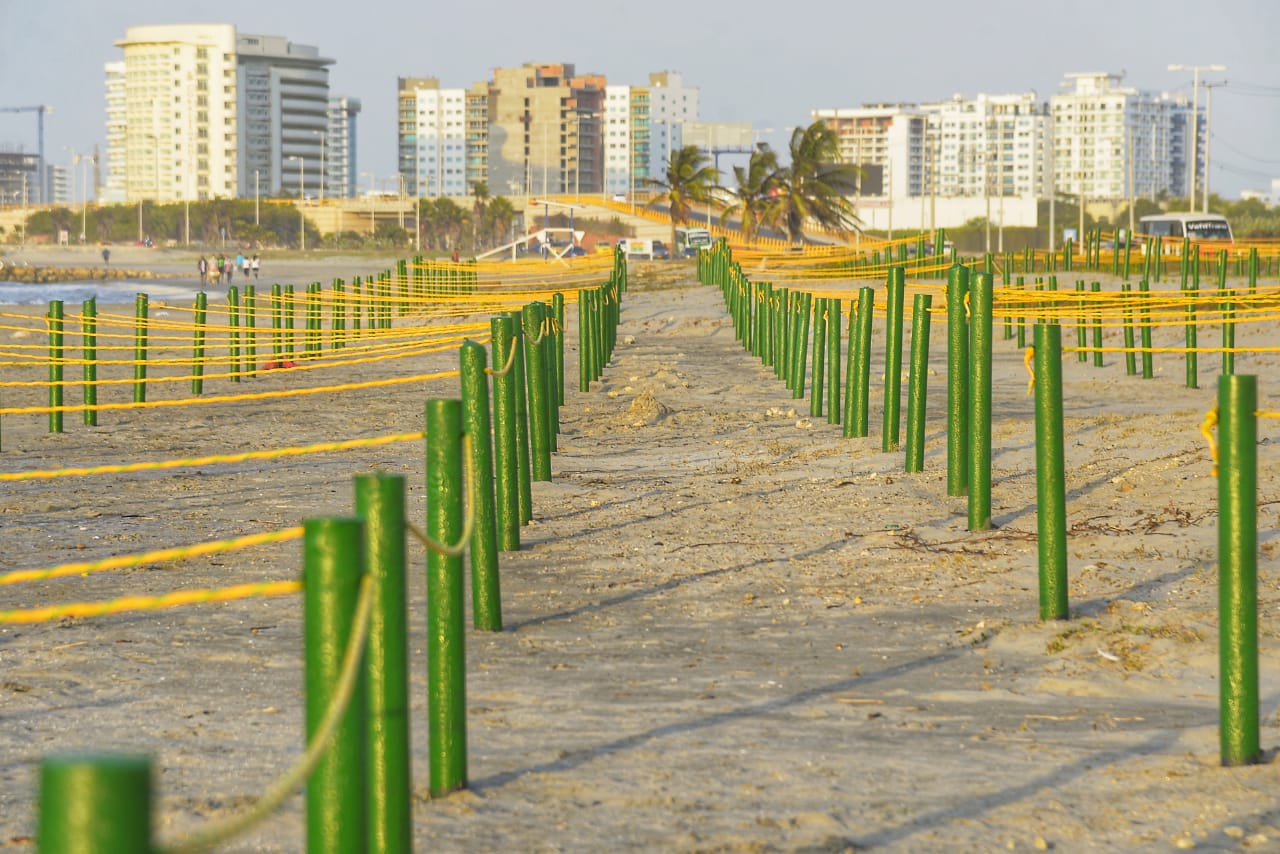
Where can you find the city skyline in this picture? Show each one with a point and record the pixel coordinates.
(748, 64)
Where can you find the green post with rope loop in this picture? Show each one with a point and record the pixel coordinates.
(891, 425)
(506, 462)
(380, 502)
(917, 387)
(332, 570)
(1051, 496)
(140, 349)
(56, 361)
(819, 355)
(523, 452)
(89, 332)
(233, 322)
(485, 593)
(197, 346)
(536, 379)
(833, 360)
(446, 663)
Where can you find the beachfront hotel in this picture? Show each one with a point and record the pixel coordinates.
(199, 111)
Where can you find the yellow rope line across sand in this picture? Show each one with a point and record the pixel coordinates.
(213, 459)
(151, 603)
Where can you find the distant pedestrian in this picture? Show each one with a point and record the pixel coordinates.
(106, 256)
(254, 264)
(241, 265)
(229, 269)
(203, 266)
(455, 256)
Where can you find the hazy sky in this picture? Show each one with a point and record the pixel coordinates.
(766, 63)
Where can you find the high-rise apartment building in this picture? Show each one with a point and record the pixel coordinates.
(197, 111)
(433, 137)
(339, 157)
(671, 105)
(1113, 141)
(626, 138)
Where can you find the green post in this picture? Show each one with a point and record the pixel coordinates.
(250, 330)
(485, 594)
(1051, 495)
(233, 321)
(1192, 289)
(1082, 350)
(1228, 331)
(506, 462)
(94, 804)
(446, 663)
(1130, 357)
(891, 424)
(1144, 333)
(89, 331)
(919, 384)
(140, 349)
(332, 569)
(957, 381)
(277, 324)
(536, 379)
(56, 362)
(1238, 570)
(1097, 326)
(833, 360)
(858, 419)
(198, 343)
(557, 311)
(522, 420)
(380, 502)
(980, 403)
(819, 356)
(585, 347)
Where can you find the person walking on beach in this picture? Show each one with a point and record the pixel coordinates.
(254, 264)
(203, 267)
(229, 269)
(106, 256)
(241, 265)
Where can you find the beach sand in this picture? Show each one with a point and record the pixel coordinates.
(728, 628)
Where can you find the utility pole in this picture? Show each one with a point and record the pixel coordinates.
(1195, 122)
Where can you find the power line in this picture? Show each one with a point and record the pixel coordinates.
(1244, 154)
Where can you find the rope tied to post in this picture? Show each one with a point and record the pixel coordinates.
(511, 360)
(1027, 358)
(1206, 430)
(468, 524)
(215, 833)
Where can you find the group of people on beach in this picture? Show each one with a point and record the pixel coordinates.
(214, 267)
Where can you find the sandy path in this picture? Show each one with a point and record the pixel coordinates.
(729, 629)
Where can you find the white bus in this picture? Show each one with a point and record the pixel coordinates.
(690, 239)
(1197, 226)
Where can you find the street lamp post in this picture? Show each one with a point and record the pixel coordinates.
(1208, 135)
(302, 217)
(1195, 127)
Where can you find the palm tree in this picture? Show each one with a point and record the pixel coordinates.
(815, 186)
(480, 190)
(689, 180)
(499, 215)
(750, 200)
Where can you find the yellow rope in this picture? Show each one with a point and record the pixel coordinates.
(511, 360)
(120, 468)
(158, 556)
(217, 832)
(150, 603)
(1027, 360)
(1206, 429)
(468, 524)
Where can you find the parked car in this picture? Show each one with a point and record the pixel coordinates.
(604, 246)
(575, 252)
(660, 251)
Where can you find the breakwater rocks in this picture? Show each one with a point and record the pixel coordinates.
(38, 274)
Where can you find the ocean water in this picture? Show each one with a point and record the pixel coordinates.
(107, 293)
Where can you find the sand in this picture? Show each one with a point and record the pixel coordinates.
(728, 627)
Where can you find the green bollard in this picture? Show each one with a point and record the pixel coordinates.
(140, 349)
(1082, 350)
(250, 324)
(1238, 571)
(380, 502)
(523, 453)
(859, 418)
(1051, 495)
(980, 403)
(485, 594)
(332, 570)
(233, 322)
(891, 423)
(584, 341)
(833, 360)
(446, 663)
(197, 346)
(957, 381)
(1130, 357)
(536, 379)
(94, 804)
(504, 435)
(89, 331)
(277, 324)
(557, 312)
(56, 362)
(1144, 333)
(1228, 331)
(1193, 362)
(1097, 327)
(803, 312)
(919, 384)
(819, 356)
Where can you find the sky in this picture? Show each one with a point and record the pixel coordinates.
(765, 63)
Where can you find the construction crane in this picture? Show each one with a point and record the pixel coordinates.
(39, 111)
